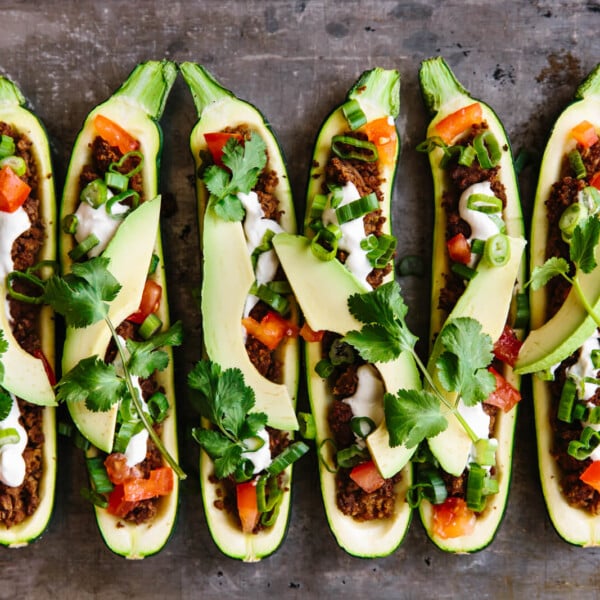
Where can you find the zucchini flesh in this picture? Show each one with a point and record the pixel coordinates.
(14, 112)
(136, 106)
(225, 251)
(574, 525)
(443, 95)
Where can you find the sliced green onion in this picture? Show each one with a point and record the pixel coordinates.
(127, 411)
(84, 247)
(150, 325)
(135, 201)
(595, 356)
(593, 416)
(69, 223)
(320, 251)
(497, 250)
(477, 246)
(65, 429)
(9, 436)
(117, 181)
(308, 429)
(521, 320)
(327, 466)
(94, 497)
(341, 353)
(467, 156)
(318, 206)
(475, 483)
(324, 368)
(450, 152)
(125, 433)
(98, 475)
(362, 426)
(116, 166)
(369, 243)
(80, 442)
(337, 195)
(244, 471)
(354, 114)
(7, 146)
(16, 163)
(289, 456)
(351, 456)
(274, 493)
(579, 412)
(429, 486)
(276, 301)
(580, 449)
(463, 271)
(29, 278)
(357, 208)
(484, 203)
(488, 149)
(490, 486)
(158, 407)
(411, 264)
(498, 221)
(576, 162)
(571, 217)
(254, 443)
(94, 193)
(280, 287)
(522, 159)
(430, 144)
(381, 256)
(153, 264)
(356, 150)
(485, 452)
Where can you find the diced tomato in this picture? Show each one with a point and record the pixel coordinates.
(585, 134)
(458, 122)
(595, 180)
(271, 330)
(459, 249)
(216, 141)
(247, 505)
(507, 347)
(117, 505)
(149, 303)
(367, 476)
(591, 475)
(382, 132)
(453, 518)
(505, 396)
(118, 470)
(47, 366)
(114, 134)
(13, 190)
(309, 335)
(159, 483)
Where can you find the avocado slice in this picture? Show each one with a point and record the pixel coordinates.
(24, 375)
(550, 342)
(443, 94)
(136, 106)
(227, 278)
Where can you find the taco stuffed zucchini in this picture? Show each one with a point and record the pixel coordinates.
(347, 253)
(27, 249)
(248, 382)
(477, 272)
(117, 364)
(563, 346)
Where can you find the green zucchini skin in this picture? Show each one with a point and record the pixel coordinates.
(443, 95)
(378, 91)
(574, 525)
(224, 251)
(13, 110)
(137, 107)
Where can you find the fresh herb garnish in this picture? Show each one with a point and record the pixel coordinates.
(82, 297)
(225, 400)
(414, 415)
(244, 162)
(582, 250)
(3, 349)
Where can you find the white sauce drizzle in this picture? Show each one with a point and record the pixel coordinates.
(12, 463)
(482, 226)
(260, 458)
(98, 222)
(367, 400)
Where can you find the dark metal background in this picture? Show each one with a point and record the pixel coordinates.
(295, 59)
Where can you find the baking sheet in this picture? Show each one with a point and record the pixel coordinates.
(295, 60)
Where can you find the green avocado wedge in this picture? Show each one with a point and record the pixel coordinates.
(227, 277)
(551, 341)
(489, 298)
(322, 289)
(24, 375)
(136, 107)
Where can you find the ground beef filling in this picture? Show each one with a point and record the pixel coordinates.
(18, 503)
(564, 193)
(459, 178)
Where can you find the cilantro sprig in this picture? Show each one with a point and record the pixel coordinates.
(461, 367)
(83, 297)
(243, 162)
(582, 252)
(226, 401)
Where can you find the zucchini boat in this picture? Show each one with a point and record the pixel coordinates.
(110, 212)
(348, 251)
(563, 342)
(477, 272)
(27, 238)
(249, 322)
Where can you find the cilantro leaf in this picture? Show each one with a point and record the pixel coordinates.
(542, 274)
(145, 357)
(5, 404)
(3, 343)
(374, 343)
(82, 295)
(253, 424)
(584, 242)
(216, 180)
(236, 400)
(93, 382)
(412, 416)
(462, 368)
(225, 454)
(229, 208)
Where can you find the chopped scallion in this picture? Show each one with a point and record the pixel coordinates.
(351, 456)
(497, 250)
(484, 203)
(488, 149)
(16, 163)
(357, 208)
(69, 223)
(7, 146)
(289, 456)
(84, 247)
(354, 114)
(348, 147)
(9, 436)
(158, 406)
(576, 162)
(150, 325)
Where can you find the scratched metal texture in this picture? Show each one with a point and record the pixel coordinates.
(295, 59)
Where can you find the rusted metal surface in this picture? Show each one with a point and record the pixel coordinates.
(295, 60)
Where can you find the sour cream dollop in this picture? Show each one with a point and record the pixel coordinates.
(482, 226)
(12, 225)
(367, 400)
(260, 458)
(12, 463)
(99, 222)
